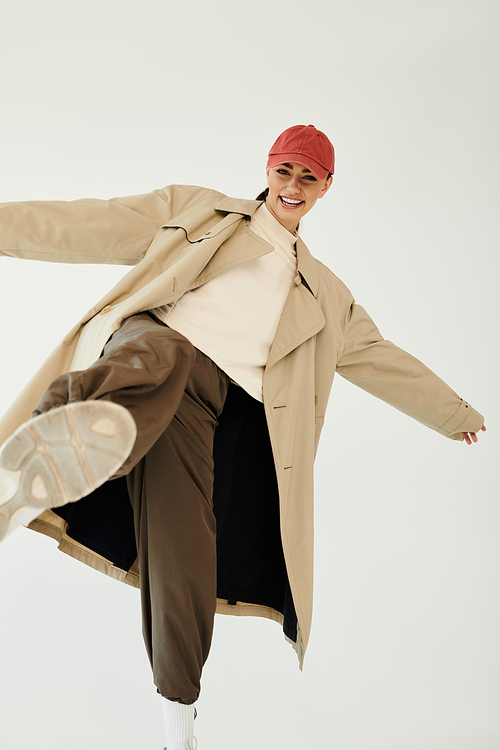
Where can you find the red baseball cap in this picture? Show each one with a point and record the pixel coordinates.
(305, 145)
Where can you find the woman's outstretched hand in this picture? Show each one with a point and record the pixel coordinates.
(471, 437)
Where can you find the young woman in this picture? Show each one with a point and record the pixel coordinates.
(195, 392)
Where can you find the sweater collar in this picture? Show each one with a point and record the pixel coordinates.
(271, 224)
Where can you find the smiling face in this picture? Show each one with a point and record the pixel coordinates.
(293, 191)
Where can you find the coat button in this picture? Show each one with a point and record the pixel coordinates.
(105, 310)
(315, 401)
(207, 233)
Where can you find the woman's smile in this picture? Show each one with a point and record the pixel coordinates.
(290, 203)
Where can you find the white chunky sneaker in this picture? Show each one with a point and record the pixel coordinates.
(192, 744)
(61, 456)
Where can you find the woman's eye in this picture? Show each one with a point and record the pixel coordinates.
(282, 171)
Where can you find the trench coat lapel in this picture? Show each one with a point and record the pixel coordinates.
(241, 246)
(302, 315)
(228, 243)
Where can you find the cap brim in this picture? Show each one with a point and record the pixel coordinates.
(318, 171)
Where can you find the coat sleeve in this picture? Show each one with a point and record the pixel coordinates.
(117, 231)
(393, 375)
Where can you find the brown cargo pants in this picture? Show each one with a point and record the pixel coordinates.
(175, 394)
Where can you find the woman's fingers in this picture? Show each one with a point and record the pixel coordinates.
(471, 437)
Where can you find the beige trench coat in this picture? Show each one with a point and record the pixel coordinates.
(176, 239)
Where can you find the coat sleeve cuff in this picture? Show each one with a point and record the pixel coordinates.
(465, 419)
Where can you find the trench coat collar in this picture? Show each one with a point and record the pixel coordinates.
(238, 206)
(306, 265)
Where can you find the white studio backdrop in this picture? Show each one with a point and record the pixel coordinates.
(108, 97)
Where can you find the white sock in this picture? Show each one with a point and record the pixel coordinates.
(179, 721)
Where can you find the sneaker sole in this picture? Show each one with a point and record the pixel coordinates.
(61, 456)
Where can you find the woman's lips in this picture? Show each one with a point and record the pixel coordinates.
(290, 203)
